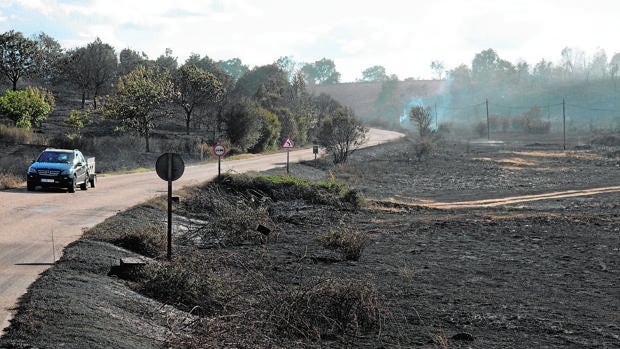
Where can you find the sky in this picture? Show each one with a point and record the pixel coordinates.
(403, 36)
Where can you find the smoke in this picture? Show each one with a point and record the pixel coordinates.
(438, 104)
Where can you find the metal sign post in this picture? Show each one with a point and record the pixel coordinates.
(169, 167)
(219, 150)
(288, 145)
(315, 150)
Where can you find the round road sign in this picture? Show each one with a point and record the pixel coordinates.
(169, 166)
(219, 150)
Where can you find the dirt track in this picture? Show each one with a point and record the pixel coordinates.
(518, 199)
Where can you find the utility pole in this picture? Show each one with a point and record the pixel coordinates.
(564, 121)
(488, 124)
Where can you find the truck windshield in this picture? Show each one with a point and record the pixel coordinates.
(58, 157)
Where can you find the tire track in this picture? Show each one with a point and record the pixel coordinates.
(517, 199)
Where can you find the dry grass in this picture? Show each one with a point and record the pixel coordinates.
(10, 181)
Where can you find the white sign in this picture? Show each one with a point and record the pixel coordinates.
(219, 150)
(288, 143)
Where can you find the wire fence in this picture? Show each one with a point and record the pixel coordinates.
(563, 121)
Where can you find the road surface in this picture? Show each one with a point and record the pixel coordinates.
(36, 226)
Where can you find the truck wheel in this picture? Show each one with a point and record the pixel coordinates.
(93, 181)
(72, 186)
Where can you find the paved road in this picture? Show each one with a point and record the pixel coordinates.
(36, 226)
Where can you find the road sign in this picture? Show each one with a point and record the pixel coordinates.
(169, 169)
(288, 143)
(219, 150)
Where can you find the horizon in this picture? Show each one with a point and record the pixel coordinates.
(402, 38)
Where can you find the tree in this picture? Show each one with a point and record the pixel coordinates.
(75, 68)
(75, 121)
(244, 124)
(130, 60)
(438, 67)
(322, 72)
(270, 131)
(102, 66)
(485, 65)
(234, 67)
(542, 70)
(522, 70)
(268, 83)
(216, 110)
(90, 68)
(194, 88)
(287, 64)
(51, 54)
(374, 73)
(422, 118)
(614, 66)
(341, 133)
(19, 56)
(27, 107)
(598, 66)
(139, 100)
(461, 75)
(167, 61)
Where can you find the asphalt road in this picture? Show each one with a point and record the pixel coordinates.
(36, 226)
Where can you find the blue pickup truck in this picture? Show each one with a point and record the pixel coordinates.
(61, 168)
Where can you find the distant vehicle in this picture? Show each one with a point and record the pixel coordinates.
(61, 168)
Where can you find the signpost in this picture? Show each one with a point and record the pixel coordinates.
(169, 167)
(315, 150)
(288, 145)
(219, 150)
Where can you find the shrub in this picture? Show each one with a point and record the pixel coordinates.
(186, 282)
(9, 181)
(480, 129)
(349, 242)
(149, 240)
(423, 148)
(18, 135)
(139, 229)
(326, 309)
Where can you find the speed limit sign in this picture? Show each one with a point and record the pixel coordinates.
(219, 150)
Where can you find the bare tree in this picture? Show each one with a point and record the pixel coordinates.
(423, 119)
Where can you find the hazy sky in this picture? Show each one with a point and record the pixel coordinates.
(404, 36)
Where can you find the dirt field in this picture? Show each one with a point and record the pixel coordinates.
(477, 247)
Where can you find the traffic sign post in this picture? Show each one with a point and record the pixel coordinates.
(288, 145)
(169, 167)
(315, 150)
(219, 150)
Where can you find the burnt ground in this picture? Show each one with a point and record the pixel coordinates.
(523, 274)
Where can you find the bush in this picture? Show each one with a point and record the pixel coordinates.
(187, 282)
(326, 309)
(149, 240)
(349, 242)
(610, 140)
(9, 181)
(139, 229)
(16, 135)
(423, 148)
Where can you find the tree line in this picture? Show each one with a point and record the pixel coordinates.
(253, 108)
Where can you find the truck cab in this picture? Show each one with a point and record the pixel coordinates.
(61, 168)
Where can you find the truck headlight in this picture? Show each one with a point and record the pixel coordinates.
(31, 170)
